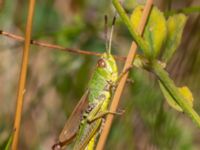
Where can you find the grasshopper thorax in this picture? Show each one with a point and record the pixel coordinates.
(107, 68)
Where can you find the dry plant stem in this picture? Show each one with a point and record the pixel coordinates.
(22, 79)
(121, 85)
(54, 46)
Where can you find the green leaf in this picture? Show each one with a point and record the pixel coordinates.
(7, 143)
(185, 91)
(155, 32)
(170, 100)
(175, 25)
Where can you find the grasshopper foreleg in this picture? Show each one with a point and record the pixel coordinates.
(103, 114)
(123, 73)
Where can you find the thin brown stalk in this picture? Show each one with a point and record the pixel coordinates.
(54, 46)
(22, 78)
(122, 82)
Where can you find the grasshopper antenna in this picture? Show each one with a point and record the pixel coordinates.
(106, 31)
(111, 34)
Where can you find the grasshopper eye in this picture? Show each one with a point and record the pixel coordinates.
(101, 63)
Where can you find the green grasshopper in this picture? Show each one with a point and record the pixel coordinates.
(87, 118)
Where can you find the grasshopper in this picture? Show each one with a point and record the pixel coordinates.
(87, 118)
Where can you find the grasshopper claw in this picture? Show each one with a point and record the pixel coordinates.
(120, 112)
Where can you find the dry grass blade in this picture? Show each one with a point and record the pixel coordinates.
(22, 79)
(54, 46)
(121, 85)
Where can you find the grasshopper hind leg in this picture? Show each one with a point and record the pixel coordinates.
(102, 126)
(93, 141)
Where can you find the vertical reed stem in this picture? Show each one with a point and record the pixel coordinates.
(128, 63)
(22, 78)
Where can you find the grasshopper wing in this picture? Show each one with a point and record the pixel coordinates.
(72, 125)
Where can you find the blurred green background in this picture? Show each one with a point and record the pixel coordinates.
(56, 80)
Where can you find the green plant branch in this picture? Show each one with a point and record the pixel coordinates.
(136, 36)
(187, 10)
(157, 68)
(169, 84)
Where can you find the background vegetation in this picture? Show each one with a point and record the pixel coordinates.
(57, 80)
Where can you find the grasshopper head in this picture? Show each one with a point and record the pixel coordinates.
(106, 65)
(107, 68)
